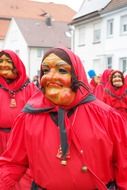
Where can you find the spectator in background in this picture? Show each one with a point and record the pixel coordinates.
(115, 93)
(104, 79)
(15, 90)
(125, 76)
(95, 80)
(68, 138)
(36, 80)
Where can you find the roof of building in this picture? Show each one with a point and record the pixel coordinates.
(91, 6)
(32, 9)
(3, 27)
(38, 33)
(86, 12)
(114, 5)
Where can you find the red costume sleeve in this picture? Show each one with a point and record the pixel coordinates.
(11, 173)
(118, 135)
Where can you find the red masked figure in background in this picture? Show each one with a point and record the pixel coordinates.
(115, 93)
(68, 138)
(15, 90)
(104, 79)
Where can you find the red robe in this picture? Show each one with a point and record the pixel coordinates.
(96, 136)
(19, 91)
(104, 80)
(116, 98)
(93, 85)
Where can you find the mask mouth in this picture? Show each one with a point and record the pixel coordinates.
(54, 84)
(8, 74)
(6, 67)
(117, 83)
(118, 80)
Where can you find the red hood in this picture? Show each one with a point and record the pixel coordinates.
(81, 76)
(22, 77)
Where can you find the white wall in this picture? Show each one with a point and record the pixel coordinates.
(15, 41)
(115, 45)
(1, 44)
(35, 62)
(90, 52)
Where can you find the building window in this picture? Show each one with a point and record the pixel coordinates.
(39, 52)
(110, 27)
(81, 38)
(109, 62)
(97, 66)
(123, 64)
(97, 33)
(123, 24)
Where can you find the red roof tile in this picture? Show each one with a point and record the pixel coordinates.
(3, 28)
(32, 9)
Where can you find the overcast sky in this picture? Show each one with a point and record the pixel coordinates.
(74, 4)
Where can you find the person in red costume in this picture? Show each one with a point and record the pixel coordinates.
(115, 93)
(15, 90)
(95, 80)
(68, 138)
(99, 91)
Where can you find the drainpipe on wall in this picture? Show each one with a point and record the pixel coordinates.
(29, 69)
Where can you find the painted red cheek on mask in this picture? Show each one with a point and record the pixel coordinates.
(43, 81)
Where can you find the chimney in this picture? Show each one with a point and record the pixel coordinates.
(48, 20)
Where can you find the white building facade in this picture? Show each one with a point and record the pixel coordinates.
(100, 39)
(15, 41)
(30, 38)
